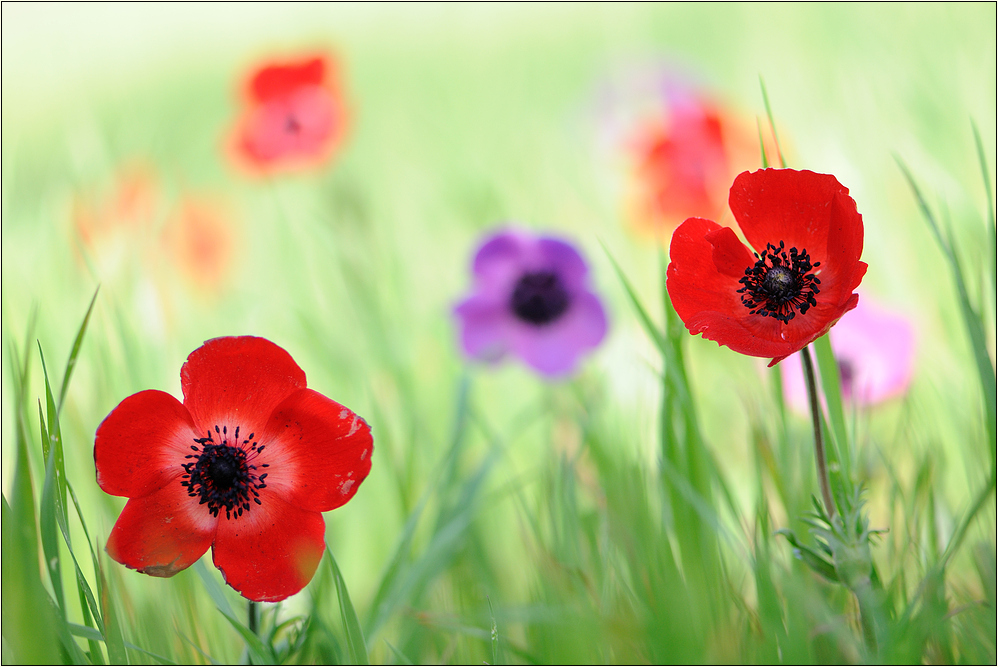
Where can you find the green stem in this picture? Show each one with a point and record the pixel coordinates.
(819, 443)
(254, 618)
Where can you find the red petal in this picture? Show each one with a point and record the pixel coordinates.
(707, 300)
(162, 533)
(730, 255)
(276, 81)
(319, 451)
(141, 445)
(695, 285)
(270, 552)
(773, 205)
(237, 382)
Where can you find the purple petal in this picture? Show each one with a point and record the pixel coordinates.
(875, 351)
(554, 350)
(484, 327)
(562, 258)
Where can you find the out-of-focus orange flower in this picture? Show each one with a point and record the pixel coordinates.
(293, 118)
(681, 148)
(104, 223)
(200, 241)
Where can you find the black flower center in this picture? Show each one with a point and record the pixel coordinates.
(539, 298)
(780, 284)
(223, 474)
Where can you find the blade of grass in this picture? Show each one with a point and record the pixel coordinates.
(54, 441)
(972, 321)
(762, 145)
(772, 124)
(28, 627)
(260, 652)
(398, 654)
(215, 591)
(47, 524)
(75, 351)
(355, 637)
(197, 648)
(495, 632)
(992, 234)
(831, 385)
(114, 640)
(653, 331)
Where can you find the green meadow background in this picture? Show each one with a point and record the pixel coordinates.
(505, 519)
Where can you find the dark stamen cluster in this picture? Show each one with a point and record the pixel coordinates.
(539, 298)
(222, 474)
(779, 285)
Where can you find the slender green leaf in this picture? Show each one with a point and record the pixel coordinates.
(762, 145)
(87, 599)
(772, 124)
(989, 196)
(972, 321)
(114, 640)
(75, 351)
(73, 651)
(85, 632)
(47, 524)
(810, 558)
(28, 619)
(215, 591)
(831, 386)
(646, 321)
(399, 654)
(54, 441)
(260, 652)
(494, 632)
(355, 637)
(197, 648)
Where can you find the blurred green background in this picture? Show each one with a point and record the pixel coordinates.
(466, 116)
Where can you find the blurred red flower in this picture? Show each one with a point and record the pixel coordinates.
(201, 243)
(682, 148)
(294, 116)
(245, 465)
(108, 224)
(808, 238)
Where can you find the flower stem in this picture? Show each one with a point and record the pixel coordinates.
(819, 444)
(254, 618)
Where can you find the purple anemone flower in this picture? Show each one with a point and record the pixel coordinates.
(531, 297)
(875, 350)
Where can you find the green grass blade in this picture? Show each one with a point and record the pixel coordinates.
(73, 651)
(494, 632)
(54, 441)
(47, 524)
(772, 125)
(197, 648)
(355, 637)
(653, 331)
(990, 203)
(831, 386)
(215, 591)
(260, 652)
(398, 654)
(971, 319)
(28, 619)
(762, 145)
(163, 661)
(75, 351)
(85, 632)
(84, 587)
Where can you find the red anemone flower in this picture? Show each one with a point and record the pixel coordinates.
(808, 238)
(245, 465)
(294, 116)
